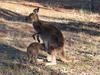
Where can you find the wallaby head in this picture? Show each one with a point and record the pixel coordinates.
(36, 10)
(33, 16)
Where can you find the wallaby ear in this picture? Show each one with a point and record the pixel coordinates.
(36, 10)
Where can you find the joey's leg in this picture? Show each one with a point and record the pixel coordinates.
(34, 60)
(29, 57)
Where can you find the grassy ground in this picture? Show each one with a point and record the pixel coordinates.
(81, 30)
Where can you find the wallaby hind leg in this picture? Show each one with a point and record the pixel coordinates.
(29, 57)
(53, 58)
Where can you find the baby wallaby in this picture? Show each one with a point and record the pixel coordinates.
(33, 51)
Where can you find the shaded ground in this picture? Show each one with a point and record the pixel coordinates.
(82, 39)
(10, 15)
(70, 4)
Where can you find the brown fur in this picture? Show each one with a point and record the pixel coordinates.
(33, 51)
(36, 37)
(51, 36)
(48, 33)
(35, 48)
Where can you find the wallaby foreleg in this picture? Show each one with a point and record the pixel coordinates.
(37, 37)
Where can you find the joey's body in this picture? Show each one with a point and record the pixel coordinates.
(33, 51)
(51, 36)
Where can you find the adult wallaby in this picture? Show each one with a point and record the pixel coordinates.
(46, 32)
(35, 48)
(51, 36)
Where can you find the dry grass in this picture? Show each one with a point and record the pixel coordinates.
(81, 30)
(77, 15)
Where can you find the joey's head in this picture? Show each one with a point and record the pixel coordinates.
(33, 17)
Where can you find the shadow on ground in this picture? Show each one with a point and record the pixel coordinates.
(77, 27)
(11, 16)
(10, 52)
(72, 26)
(71, 4)
(90, 28)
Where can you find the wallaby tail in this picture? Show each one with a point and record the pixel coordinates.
(63, 57)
